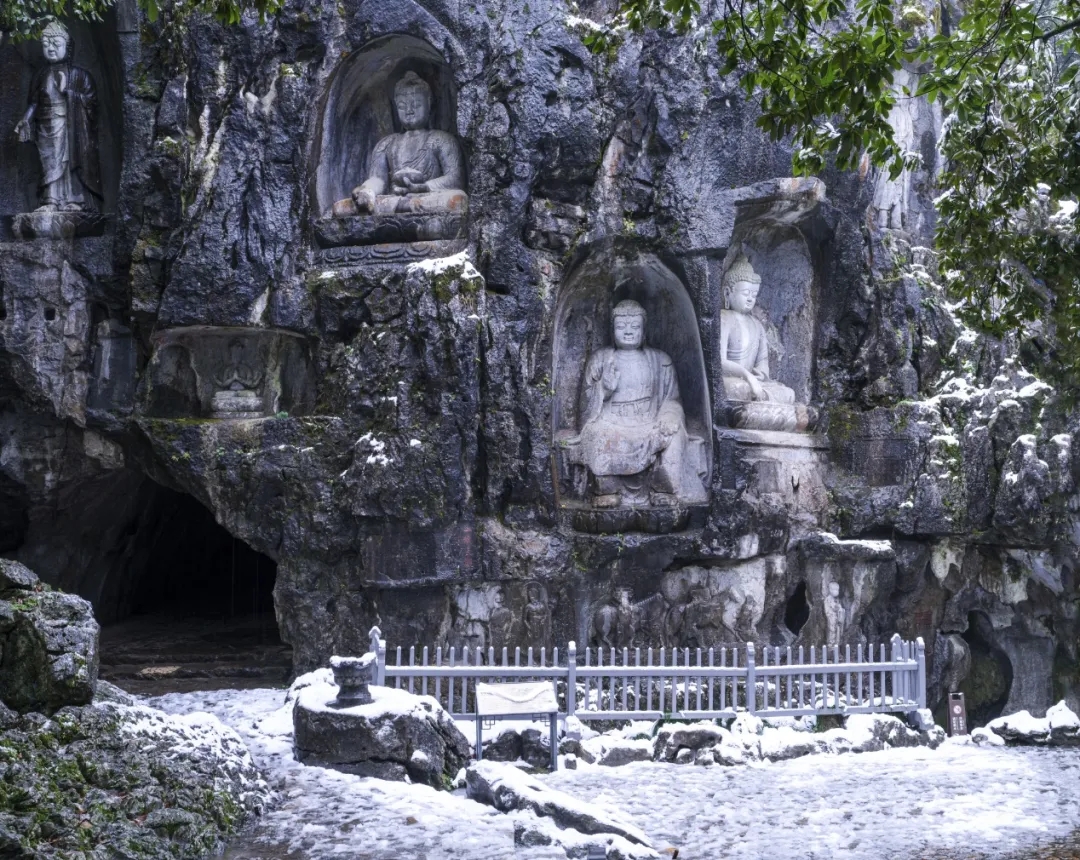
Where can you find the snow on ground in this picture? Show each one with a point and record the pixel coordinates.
(958, 800)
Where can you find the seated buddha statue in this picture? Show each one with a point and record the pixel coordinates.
(417, 170)
(758, 401)
(633, 437)
(237, 395)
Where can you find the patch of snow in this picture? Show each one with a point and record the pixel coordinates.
(962, 798)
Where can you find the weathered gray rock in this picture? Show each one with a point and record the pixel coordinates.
(157, 785)
(1060, 727)
(671, 738)
(397, 736)
(411, 478)
(48, 644)
(509, 789)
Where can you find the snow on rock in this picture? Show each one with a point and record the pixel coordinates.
(1060, 727)
(509, 789)
(396, 736)
(532, 830)
(960, 799)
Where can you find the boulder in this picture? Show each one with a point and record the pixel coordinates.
(625, 751)
(123, 781)
(531, 831)
(1060, 727)
(509, 789)
(397, 736)
(673, 737)
(48, 644)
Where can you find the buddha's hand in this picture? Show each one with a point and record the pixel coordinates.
(364, 199)
(409, 181)
(609, 377)
(668, 426)
(22, 131)
(756, 388)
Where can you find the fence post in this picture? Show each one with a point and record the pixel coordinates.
(897, 656)
(378, 648)
(920, 656)
(751, 679)
(571, 678)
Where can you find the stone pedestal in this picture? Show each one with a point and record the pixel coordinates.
(394, 736)
(57, 225)
(790, 465)
(237, 404)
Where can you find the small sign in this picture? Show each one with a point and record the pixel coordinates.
(957, 715)
(504, 700)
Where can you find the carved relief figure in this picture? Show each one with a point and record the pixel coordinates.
(891, 195)
(614, 625)
(835, 614)
(676, 593)
(237, 395)
(501, 624)
(633, 436)
(416, 170)
(61, 121)
(537, 617)
(760, 402)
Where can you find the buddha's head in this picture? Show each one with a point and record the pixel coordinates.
(628, 325)
(834, 589)
(412, 100)
(55, 41)
(741, 285)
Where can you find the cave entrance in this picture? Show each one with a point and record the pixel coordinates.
(797, 610)
(194, 609)
(986, 687)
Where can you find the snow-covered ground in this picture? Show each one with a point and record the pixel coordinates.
(960, 800)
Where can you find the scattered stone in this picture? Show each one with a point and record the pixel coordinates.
(625, 751)
(397, 736)
(509, 789)
(1060, 727)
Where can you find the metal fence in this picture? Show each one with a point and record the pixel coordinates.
(679, 683)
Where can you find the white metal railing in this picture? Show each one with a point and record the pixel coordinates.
(680, 683)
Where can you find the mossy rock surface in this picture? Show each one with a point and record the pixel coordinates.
(109, 780)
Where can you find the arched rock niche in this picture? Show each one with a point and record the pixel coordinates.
(783, 234)
(583, 326)
(189, 365)
(357, 111)
(95, 48)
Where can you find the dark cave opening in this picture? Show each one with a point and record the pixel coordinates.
(195, 569)
(192, 608)
(797, 610)
(987, 686)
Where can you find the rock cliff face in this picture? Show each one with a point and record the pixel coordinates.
(381, 403)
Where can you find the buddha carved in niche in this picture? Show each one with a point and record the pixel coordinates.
(61, 122)
(416, 171)
(758, 401)
(237, 395)
(633, 438)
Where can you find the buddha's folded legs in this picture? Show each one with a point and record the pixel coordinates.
(433, 201)
(739, 389)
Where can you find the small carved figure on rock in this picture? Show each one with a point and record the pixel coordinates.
(61, 122)
(237, 395)
(633, 437)
(416, 170)
(676, 593)
(835, 614)
(501, 624)
(537, 617)
(759, 401)
(891, 195)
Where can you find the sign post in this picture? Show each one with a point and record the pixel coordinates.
(957, 715)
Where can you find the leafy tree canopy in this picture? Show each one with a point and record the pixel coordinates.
(1004, 73)
(25, 19)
